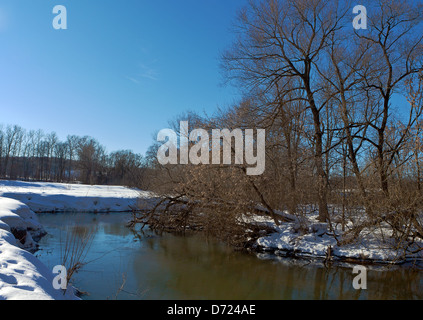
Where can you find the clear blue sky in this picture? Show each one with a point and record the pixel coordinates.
(120, 71)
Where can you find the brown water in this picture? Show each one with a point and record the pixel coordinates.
(172, 267)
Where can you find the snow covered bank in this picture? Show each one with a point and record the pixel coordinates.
(22, 276)
(375, 245)
(59, 197)
(18, 219)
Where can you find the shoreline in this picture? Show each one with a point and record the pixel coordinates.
(22, 275)
(372, 247)
(292, 254)
(19, 201)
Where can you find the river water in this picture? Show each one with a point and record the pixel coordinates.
(123, 265)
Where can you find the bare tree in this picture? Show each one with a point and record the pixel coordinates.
(396, 39)
(283, 42)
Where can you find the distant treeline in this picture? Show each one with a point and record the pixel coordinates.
(35, 155)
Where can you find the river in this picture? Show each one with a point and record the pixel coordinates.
(123, 265)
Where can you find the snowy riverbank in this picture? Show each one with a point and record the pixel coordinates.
(317, 241)
(61, 197)
(22, 276)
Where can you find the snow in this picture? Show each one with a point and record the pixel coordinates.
(289, 240)
(15, 215)
(59, 197)
(22, 276)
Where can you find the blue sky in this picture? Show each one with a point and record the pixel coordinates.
(120, 71)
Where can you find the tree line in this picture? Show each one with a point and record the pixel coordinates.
(35, 155)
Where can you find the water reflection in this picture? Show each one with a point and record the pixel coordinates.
(170, 267)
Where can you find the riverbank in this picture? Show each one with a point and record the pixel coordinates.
(313, 239)
(63, 197)
(23, 276)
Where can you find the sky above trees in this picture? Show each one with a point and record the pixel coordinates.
(119, 72)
